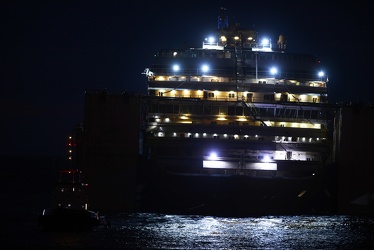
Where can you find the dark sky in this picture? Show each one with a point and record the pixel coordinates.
(52, 51)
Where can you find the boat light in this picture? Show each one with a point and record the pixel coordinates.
(175, 68)
(205, 68)
(211, 39)
(273, 71)
(213, 156)
(266, 158)
(265, 42)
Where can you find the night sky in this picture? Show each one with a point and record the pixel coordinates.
(53, 51)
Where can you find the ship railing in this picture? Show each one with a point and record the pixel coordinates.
(226, 75)
(313, 143)
(239, 96)
(182, 121)
(242, 80)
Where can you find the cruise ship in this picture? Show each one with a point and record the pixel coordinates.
(238, 125)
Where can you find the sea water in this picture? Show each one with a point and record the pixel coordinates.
(166, 231)
(25, 190)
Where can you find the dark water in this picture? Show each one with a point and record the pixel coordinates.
(25, 189)
(161, 231)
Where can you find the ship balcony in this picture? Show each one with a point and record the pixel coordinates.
(273, 120)
(226, 71)
(223, 89)
(223, 98)
(237, 133)
(235, 150)
(263, 79)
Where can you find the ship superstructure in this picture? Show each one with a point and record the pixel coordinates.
(240, 104)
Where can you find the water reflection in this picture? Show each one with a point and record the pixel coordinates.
(205, 232)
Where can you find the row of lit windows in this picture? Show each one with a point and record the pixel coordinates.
(237, 137)
(231, 96)
(236, 111)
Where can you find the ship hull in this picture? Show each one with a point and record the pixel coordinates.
(234, 195)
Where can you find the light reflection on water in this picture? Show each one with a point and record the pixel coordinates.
(160, 231)
(275, 232)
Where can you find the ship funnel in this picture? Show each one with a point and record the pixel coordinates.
(282, 42)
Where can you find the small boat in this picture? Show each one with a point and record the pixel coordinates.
(69, 210)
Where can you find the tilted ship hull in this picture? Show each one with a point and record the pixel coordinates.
(237, 127)
(237, 188)
(236, 196)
